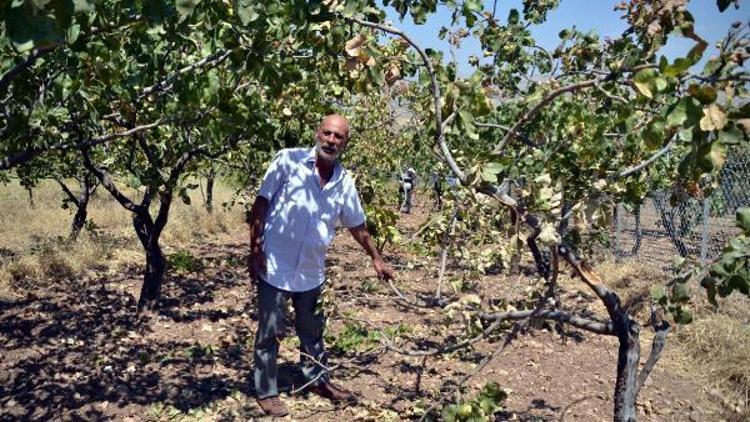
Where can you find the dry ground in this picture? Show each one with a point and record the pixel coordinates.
(72, 350)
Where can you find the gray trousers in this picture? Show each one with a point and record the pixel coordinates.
(309, 326)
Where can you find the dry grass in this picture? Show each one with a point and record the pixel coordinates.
(714, 348)
(720, 346)
(34, 249)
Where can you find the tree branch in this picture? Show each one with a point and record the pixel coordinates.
(68, 192)
(22, 66)
(537, 108)
(645, 163)
(524, 139)
(661, 330)
(436, 93)
(108, 184)
(212, 59)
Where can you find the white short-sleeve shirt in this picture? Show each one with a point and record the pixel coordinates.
(302, 216)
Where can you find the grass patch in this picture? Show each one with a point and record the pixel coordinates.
(35, 251)
(720, 344)
(183, 260)
(356, 337)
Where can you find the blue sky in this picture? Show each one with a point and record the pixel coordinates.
(597, 15)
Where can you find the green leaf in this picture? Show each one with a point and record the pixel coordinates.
(679, 67)
(73, 32)
(246, 11)
(705, 94)
(696, 53)
(28, 31)
(743, 219)
(731, 135)
(657, 293)
(643, 81)
(654, 134)
(185, 7)
(680, 293)
(83, 6)
(709, 283)
(660, 84)
(682, 316)
(677, 114)
(513, 17)
(565, 34)
(713, 156)
(490, 171)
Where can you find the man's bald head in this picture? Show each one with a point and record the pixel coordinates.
(337, 120)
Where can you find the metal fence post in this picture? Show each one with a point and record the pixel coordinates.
(704, 237)
(618, 229)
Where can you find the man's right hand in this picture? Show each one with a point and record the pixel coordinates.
(256, 264)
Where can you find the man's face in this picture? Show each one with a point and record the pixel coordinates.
(332, 137)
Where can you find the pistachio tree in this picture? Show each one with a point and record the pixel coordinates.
(559, 137)
(143, 91)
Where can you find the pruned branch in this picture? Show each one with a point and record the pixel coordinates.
(588, 276)
(597, 327)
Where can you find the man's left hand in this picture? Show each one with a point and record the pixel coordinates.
(384, 271)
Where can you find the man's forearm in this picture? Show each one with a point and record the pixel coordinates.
(362, 236)
(257, 222)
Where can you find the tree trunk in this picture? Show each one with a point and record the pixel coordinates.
(210, 179)
(153, 274)
(638, 232)
(79, 220)
(628, 356)
(87, 187)
(152, 279)
(32, 205)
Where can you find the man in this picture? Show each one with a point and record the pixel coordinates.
(304, 193)
(406, 186)
(437, 187)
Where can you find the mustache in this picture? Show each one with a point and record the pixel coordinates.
(325, 146)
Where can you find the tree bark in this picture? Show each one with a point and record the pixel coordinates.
(628, 356)
(210, 179)
(87, 187)
(152, 279)
(79, 219)
(153, 274)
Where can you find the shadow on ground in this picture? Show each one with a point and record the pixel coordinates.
(78, 352)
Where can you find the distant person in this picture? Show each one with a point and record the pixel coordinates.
(437, 188)
(304, 193)
(407, 183)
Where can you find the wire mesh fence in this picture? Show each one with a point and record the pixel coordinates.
(660, 229)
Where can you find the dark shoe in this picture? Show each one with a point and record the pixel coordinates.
(331, 392)
(273, 406)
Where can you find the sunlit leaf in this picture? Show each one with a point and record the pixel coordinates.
(713, 118)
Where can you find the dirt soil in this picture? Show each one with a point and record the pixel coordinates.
(75, 351)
